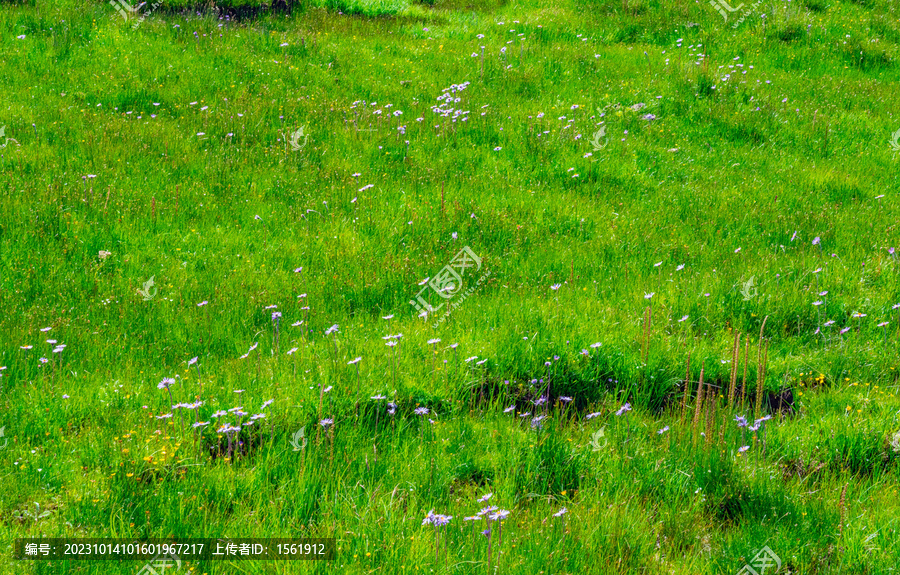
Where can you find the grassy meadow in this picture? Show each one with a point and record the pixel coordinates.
(656, 251)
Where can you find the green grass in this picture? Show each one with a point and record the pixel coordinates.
(161, 143)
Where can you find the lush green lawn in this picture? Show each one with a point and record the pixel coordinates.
(605, 164)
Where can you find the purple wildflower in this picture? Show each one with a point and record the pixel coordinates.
(499, 515)
(624, 409)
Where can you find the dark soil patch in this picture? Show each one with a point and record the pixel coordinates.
(781, 403)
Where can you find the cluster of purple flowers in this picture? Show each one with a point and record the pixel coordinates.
(436, 519)
(489, 513)
(449, 97)
(188, 405)
(742, 422)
